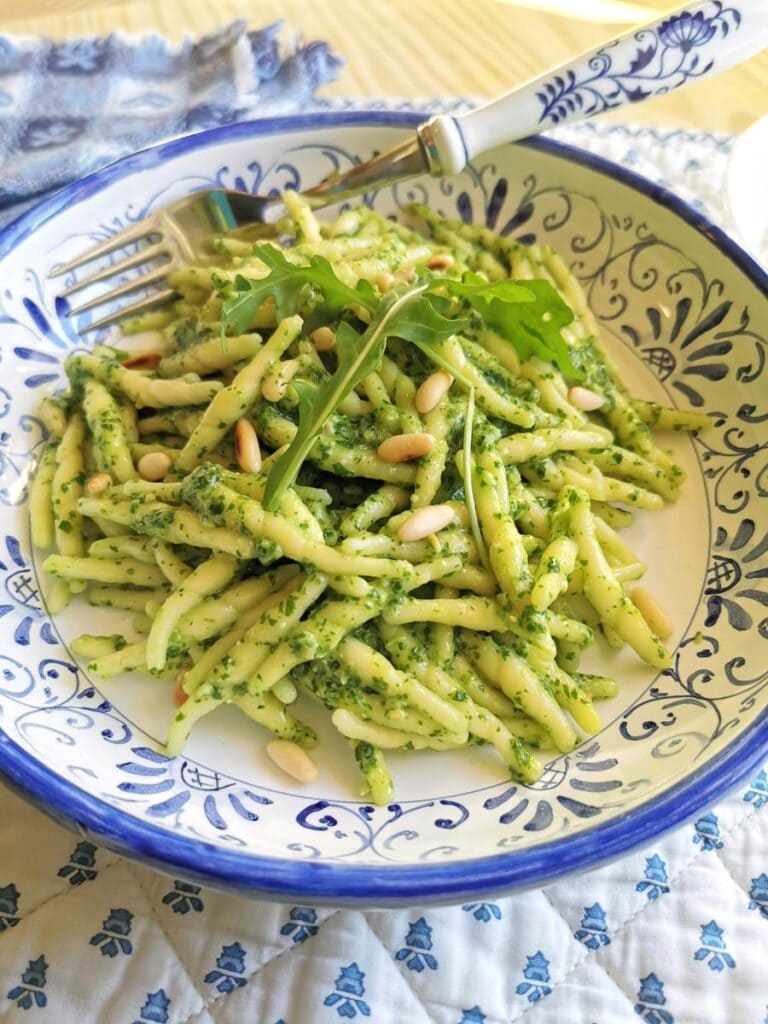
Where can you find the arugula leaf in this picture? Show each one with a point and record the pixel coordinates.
(285, 283)
(529, 314)
(409, 315)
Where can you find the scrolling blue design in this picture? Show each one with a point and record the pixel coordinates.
(181, 779)
(24, 597)
(581, 810)
(33, 354)
(323, 824)
(509, 816)
(170, 806)
(146, 787)
(728, 571)
(596, 787)
(451, 823)
(664, 59)
(212, 813)
(241, 809)
(541, 819)
(131, 768)
(501, 798)
(496, 208)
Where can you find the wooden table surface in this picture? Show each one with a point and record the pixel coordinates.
(422, 48)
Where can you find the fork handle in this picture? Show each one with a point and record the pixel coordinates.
(681, 47)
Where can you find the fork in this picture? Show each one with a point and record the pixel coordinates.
(688, 44)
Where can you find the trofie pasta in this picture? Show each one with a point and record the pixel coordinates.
(378, 467)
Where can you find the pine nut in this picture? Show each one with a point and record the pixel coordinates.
(275, 383)
(323, 339)
(440, 261)
(384, 280)
(403, 447)
(425, 522)
(179, 696)
(97, 483)
(285, 691)
(292, 760)
(143, 361)
(407, 274)
(584, 399)
(432, 391)
(247, 451)
(657, 619)
(154, 466)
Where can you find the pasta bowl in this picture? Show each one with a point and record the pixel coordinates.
(682, 311)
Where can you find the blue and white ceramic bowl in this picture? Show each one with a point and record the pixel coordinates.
(684, 312)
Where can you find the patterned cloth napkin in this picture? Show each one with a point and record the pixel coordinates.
(67, 108)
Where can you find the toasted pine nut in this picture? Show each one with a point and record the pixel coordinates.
(425, 522)
(657, 619)
(440, 261)
(275, 383)
(432, 391)
(154, 466)
(179, 696)
(403, 447)
(407, 274)
(142, 361)
(323, 339)
(285, 691)
(384, 280)
(97, 483)
(292, 760)
(584, 399)
(247, 450)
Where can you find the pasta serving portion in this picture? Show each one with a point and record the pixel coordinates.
(382, 466)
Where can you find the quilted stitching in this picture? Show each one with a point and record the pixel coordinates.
(672, 935)
(595, 958)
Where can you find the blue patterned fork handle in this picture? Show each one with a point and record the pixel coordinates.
(680, 47)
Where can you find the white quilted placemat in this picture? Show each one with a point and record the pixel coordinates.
(676, 934)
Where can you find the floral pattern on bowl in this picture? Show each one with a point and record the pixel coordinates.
(684, 315)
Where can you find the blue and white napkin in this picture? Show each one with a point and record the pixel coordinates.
(67, 108)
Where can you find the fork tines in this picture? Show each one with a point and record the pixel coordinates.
(155, 253)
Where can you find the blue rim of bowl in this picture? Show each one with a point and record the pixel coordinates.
(376, 885)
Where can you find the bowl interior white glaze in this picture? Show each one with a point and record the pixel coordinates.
(683, 318)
